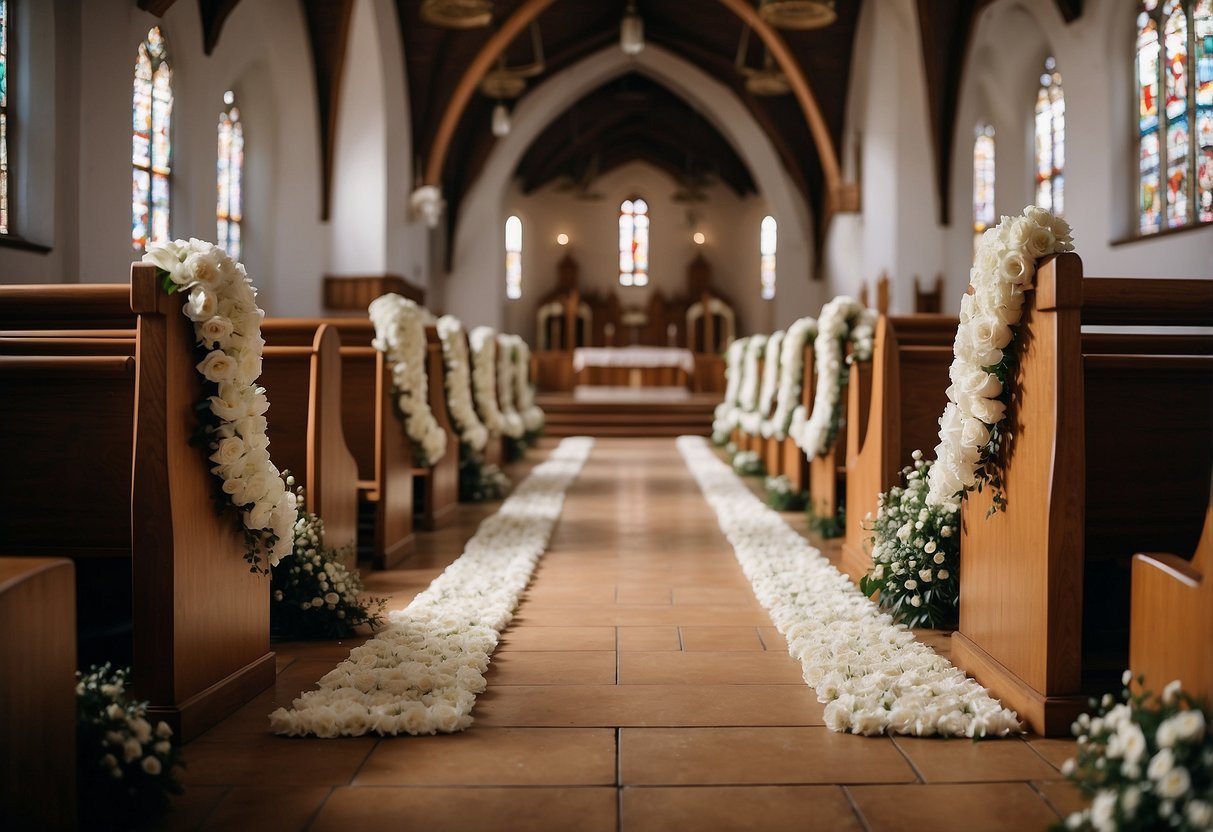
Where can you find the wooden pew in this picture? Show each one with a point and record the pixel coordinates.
(38, 693)
(894, 402)
(381, 449)
(1110, 455)
(301, 374)
(128, 497)
(438, 485)
(1171, 618)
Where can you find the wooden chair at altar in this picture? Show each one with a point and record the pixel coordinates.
(1111, 446)
(928, 301)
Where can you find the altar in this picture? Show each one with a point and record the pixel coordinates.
(634, 366)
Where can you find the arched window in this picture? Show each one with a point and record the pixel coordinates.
(513, 258)
(766, 247)
(1175, 179)
(634, 242)
(1050, 141)
(229, 208)
(151, 153)
(4, 27)
(983, 179)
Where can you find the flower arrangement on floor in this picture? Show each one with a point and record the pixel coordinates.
(842, 321)
(872, 674)
(400, 336)
(524, 392)
(473, 434)
(480, 481)
(748, 464)
(753, 421)
(484, 381)
(314, 595)
(726, 414)
(421, 675)
(915, 554)
(781, 496)
(222, 303)
(973, 424)
(506, 368)
(791, 377)
(125, 766)
(1146, 762)
(974, 421)
(827, 528)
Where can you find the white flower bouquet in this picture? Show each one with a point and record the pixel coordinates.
(915, 555)
(314, 595)
(791, 377)
(472, 432)
(125, 766)
(726, 414)
(1147, 763)
(781, 496)
(222, 303)
(748, 464)
(484, 383)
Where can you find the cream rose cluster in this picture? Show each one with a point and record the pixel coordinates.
(400, 336)
(524, 390)
(421, 675)
(458, 376)
(221, 301)
(873, 676)
(842, 320)
(506, 389)
(752, 422)
(484, 381)
(727, 412)
(791, 377)
(1003, 270)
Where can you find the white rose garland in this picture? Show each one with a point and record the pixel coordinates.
(872, 674)
(770, 381)
(726, 413)
(458, 376)
(791, 377)
(974, 418)
(222, 303)
(514, 427)
(842, 319)
(524, 390)
(484, 378)
(747, 400)
(421, 675)
(400, 336)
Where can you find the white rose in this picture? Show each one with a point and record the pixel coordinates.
(258, 516)
(151, 765)
(1040, 242)
(1160, 764)
(132, 750)
(229, 452)
(990, 411)
(213, 330)
(1103, 811)
(990, 332)
(1200, 814)
(1175, 783)
(204, 268)
(217, 367)
(1016, 268)
(166, 256)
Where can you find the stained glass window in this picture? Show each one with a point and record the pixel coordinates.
(634, 242)
(766, 247)
(1175, 113)
(983, 179)
(4, 27)
(1051, 141)
(229, 209)
(151, 150)
(513, 258)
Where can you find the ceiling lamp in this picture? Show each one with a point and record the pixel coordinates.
(510, 81)
(768, 80)
(631, 31)
(457, 14)
(797, 14)
(501, 121)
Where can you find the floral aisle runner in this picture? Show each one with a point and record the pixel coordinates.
(422, 673)
(873, 676)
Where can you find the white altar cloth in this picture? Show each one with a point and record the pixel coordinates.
(633, 358)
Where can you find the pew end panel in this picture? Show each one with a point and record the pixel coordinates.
(38, 693)
(201, 623)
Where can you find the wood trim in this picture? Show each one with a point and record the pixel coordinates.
(1162, 301)
(328, 24)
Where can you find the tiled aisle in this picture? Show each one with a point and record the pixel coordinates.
(640, 687)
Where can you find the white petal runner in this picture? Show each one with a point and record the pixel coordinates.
(422, 673)
(872, 674)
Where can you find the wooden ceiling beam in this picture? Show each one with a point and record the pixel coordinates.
(214, 13)
(328, 25)
(156, 7)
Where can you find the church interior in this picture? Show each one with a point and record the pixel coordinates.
(606, 414)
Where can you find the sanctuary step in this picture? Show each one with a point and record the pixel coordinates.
(628, 411)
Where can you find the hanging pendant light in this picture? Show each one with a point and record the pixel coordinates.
(501, 120)
(798, 14)
(631, 31)
(457, 14)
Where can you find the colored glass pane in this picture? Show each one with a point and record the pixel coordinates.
(151, 148)
(1203, 28)
(983, 178)
(634, 242)
(229, 173)
(1147, 74)
(1050, 135)
(1151, 196)
(513, 258)
(1178, 130)
(767, 239)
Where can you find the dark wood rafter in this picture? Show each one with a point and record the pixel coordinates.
(156, 7)
(328, 23)
(214, 13)
(1071, 10)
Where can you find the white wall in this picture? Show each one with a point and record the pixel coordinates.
(729, 223)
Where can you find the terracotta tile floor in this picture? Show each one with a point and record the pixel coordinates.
(640, 687)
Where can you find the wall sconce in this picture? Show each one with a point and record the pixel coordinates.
(562, 239)
(427, 204)
(699, 238)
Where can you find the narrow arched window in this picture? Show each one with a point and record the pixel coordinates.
(513, 258)
(1050, 140)
(983, 179)
(229, 207)
(766, 248)
(634, 242)
(151, 150)
(4, 28)
(1175, 113)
